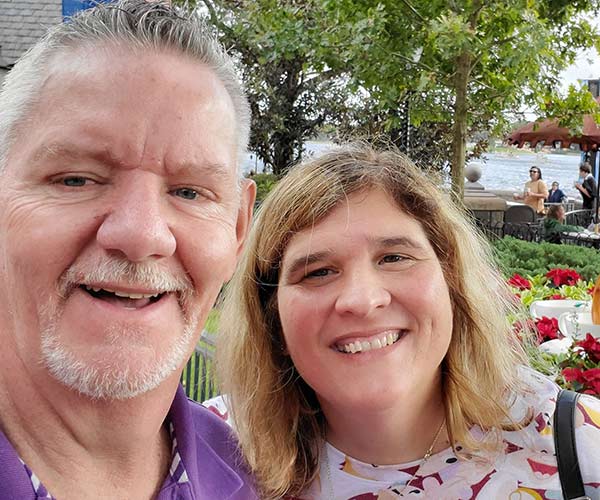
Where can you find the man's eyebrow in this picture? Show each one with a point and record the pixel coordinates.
(105, 156)
(66, 150)
(214, 168)
(305, 261)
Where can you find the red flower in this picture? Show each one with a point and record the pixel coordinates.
(591, 346)
(563, 276)
(519, 282)
(591, 375)
(591, 379)
(547, 328)
(556, 296)
(591, 290)
(573, 375)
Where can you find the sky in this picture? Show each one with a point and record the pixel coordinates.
(587, 67)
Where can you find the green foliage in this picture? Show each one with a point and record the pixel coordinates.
(542, 289)
(528, 259)
(283, 61)
(467, 63)
(464, 67)
(570, 110)
(264, 184)
(212, 322)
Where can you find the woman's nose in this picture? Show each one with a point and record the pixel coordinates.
(362, 293)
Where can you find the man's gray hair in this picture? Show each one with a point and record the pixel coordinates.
(133, 24)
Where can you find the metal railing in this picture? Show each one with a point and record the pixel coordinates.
(198, 377)
(534, 231)
(579, 217)
(528, 231)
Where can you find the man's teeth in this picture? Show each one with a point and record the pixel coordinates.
(368, 345)
(125, 295)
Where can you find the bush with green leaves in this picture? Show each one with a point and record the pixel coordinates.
(515, 256)
(264, 184)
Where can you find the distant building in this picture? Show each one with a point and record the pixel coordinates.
(23, 22)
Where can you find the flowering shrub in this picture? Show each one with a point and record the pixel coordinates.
(579, 368)
(563, 277)
(547, 329)
(556, 284)
(517, 281)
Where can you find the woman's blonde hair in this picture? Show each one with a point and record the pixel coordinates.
(276, 413)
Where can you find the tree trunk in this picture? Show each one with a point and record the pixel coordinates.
(459, 131)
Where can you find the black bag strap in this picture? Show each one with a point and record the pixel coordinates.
(566, 447)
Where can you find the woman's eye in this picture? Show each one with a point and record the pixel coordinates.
(186, 193)
(391, 259)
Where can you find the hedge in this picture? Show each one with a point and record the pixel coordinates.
(528, 259)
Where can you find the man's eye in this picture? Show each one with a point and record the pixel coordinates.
(186, 193)
(319, 273)
(74, 181)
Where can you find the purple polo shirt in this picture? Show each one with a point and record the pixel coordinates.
(208, 450)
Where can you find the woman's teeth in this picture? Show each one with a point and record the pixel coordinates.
(378, 342)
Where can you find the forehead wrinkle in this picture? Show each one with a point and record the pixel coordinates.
(216, 169)
(392, 241)
(68, 150)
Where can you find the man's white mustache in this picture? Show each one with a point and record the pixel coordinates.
(143, 275)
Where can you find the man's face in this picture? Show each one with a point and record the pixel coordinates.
(120, 218)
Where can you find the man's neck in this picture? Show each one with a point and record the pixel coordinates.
(83, 448)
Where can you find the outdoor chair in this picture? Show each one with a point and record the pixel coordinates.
(520, 221)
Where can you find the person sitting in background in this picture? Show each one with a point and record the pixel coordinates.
(535, 191)
(556, 195)
(586, 185)
(554, 224)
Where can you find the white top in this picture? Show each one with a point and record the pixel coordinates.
(525, 470)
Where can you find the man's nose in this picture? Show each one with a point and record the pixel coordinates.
(135, 225)
(363, 292)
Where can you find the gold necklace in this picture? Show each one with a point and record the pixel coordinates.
(426, 457)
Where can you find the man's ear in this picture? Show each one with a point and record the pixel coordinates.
(244, 218)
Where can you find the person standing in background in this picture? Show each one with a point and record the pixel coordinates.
(586, 185)
(556, 195)
(535, 191)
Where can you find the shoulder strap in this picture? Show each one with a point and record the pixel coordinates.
(566, 447)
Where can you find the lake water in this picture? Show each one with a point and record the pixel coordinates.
(511, 170)
(506, 171)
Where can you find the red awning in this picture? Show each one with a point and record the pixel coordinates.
(549, 132)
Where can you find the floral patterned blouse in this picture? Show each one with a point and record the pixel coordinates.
(525, 470)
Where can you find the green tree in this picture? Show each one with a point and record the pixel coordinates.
(466, 63)
(292, 92)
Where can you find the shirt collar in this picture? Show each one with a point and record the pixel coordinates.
(209, 475)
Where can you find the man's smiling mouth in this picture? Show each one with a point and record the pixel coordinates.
(128, 300)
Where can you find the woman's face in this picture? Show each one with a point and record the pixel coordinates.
(364, 306)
